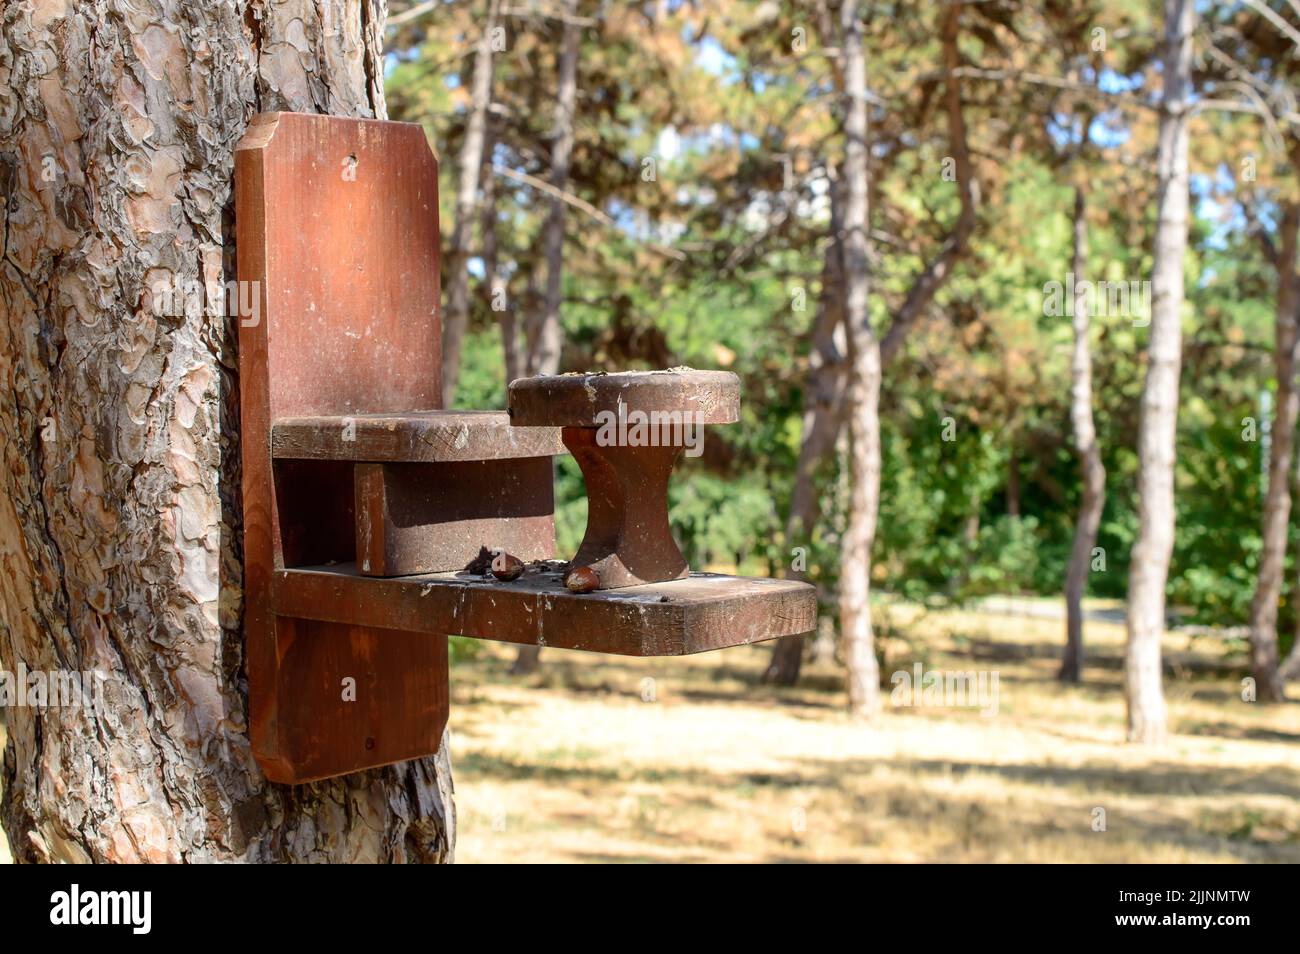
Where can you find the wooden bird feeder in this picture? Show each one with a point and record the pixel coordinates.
(365, 502)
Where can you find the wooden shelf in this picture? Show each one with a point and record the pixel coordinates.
(413, 436)
(701, 612)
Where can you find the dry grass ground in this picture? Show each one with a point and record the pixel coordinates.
(572, 765)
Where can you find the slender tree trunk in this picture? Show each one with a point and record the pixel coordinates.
(491, 260)
(469, 168)
(971, 533)
(1013, 479)
(1092, 471)
(867, 352)
(863, 405)
(1269, 685)
(1290, 667)
(1149, 566)
(550, 335)
(545, 359)
(822, 419)
(120, 525)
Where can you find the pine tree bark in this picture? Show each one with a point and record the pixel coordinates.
(1269, 685)
(1153, 547)
(544, 355)
(863, 404)
(1092, 470)
(120, 524)
(469, 165)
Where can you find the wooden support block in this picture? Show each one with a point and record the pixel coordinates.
(427, 518)
(626, 430)
(628, 540)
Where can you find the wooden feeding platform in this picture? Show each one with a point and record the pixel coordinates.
(700, 612)
(366, 505)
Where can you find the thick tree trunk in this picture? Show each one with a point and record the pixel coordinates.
(1149, 563)
(1269, 686)
(863, 405)
(1092, 471)
(544, 356)
(120, 524)
(469, 168)
(823, 416)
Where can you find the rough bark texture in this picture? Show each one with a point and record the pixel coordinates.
(548, 338)
(1092, 471)
(120, 521)
(1269, 685)
(863, 405)
(470, 161)
(1149, 562)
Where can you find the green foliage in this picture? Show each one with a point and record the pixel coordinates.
(743, 197)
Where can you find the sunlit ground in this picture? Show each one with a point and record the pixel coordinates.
(572, 765)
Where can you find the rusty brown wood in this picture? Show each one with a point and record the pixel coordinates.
(426, 518)
(701, 612)
(414, 436)
(577, 399)
(628, 540)
(626, 431)
(346, 453)
(337, 229)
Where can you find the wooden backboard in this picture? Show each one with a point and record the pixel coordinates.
(338, 252)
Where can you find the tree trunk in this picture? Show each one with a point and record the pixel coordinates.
(1269, 686)
(469, 168)
(1290, 667)
(491, 270)
(866, 351)
(1092, 471)
(1149, 564)
(120, 526)
(863, 405)
(822, 419)
(1013, 479)
(545, 357)
(550, 335)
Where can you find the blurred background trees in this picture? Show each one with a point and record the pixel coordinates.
(681, 183)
